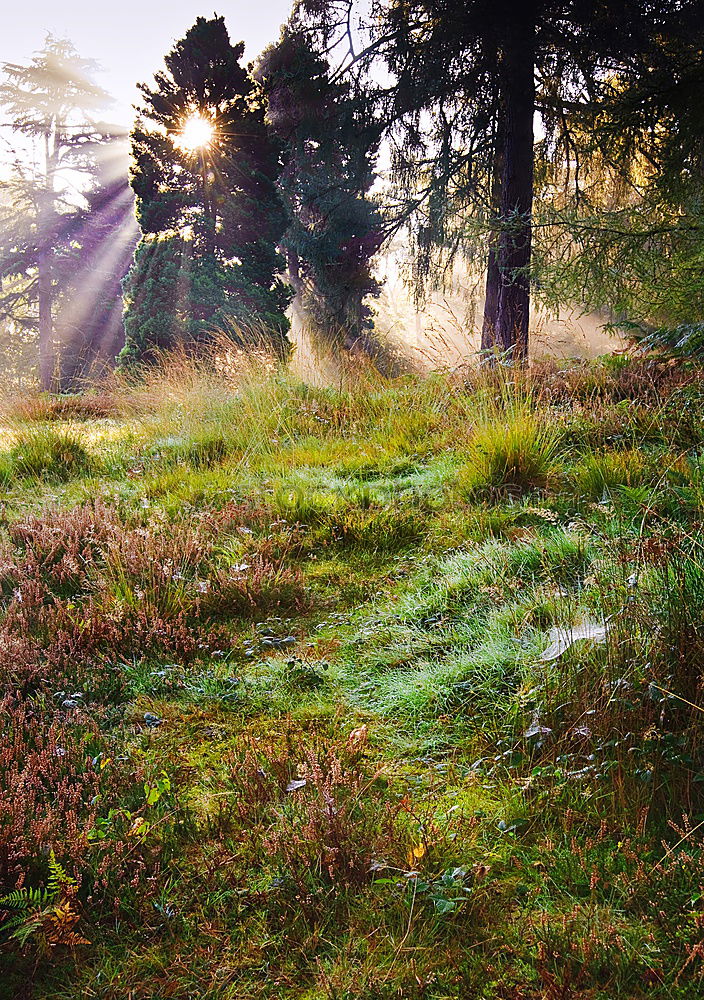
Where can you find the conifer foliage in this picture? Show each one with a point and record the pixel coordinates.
(459, 84)
(330, 140)
(209, 212)
(46, 229)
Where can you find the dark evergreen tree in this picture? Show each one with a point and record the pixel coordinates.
(330, 139)
(204, 174)
(467, 79)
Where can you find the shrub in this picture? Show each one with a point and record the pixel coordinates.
(320, 813)
(59, 646)
(84, 592)
(157, 566)
(60, 548)
(327, 834)
(611, 378)
(56, 780)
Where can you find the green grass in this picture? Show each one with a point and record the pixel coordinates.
(48, 453)
(275, 695)
(513, 446)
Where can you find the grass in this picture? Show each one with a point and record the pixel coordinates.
(274, 691)
(513, 446)
(44, 452)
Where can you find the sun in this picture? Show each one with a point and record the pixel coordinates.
(198, 132)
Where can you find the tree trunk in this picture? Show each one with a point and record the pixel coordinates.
(45, 291)
(493, 275)
(514, 245)
(47, 360)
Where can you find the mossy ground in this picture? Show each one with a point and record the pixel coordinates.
(353, 588)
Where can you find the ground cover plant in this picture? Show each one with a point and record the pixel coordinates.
(391, 689)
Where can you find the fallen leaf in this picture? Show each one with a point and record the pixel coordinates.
(562, 638)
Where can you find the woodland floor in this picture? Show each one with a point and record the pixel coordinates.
(277, 695)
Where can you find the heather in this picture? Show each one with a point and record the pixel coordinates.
(386, 689)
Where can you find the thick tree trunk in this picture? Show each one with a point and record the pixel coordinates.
(491, 300)
(45, 291)
(514, 244)
(493, 275)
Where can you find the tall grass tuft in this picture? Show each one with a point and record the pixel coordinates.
(207, 407)
(49, 453)
(514, 446)
(599, 475)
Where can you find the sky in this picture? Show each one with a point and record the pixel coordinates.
(129, 38)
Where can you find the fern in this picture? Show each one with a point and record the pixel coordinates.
(23, 899)
(30, 907)
(39, 898)
(58, 877)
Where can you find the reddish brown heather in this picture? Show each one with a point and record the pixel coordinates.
(52, 789)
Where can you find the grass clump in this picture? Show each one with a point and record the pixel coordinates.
(513, 447)
(600, 474)
(49, 453)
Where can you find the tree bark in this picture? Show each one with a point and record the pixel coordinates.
(46, 326)
(45, 291)
(493, 275)
(514, 244)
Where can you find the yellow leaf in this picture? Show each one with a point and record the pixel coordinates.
(415, 854)
(140, 825)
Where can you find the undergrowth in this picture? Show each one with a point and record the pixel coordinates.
(392, 689)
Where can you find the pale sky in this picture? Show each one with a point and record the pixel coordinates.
(129, 38)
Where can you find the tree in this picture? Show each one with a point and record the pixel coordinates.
(89, 321)
(330, 140)
(52, 102)
(636, 232)
(205, 179)
(467, 79)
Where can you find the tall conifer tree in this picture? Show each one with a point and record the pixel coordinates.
(205, 178)
(330, 140)
(52, 101)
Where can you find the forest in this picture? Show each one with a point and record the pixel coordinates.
(351, 626)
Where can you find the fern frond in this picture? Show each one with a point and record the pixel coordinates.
(58, 876)
(17, 921)
(26, 929)
(24, 899)
(17, 900)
